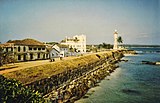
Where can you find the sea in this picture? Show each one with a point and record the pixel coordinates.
(132, 82)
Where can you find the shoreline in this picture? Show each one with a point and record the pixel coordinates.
(92, 90)
(72, 82)
(82, 85)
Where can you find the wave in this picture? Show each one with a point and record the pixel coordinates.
(141, 52)
(146, 50)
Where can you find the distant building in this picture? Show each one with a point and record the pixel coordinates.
(54, 53)
(58, 50)
(115, 47)
(78, 43)
(26, 50)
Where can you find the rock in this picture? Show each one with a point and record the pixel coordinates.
(86, 96)
(80, 80)
(148, 62)
(124, 60)
(151, 63)
(157, 63)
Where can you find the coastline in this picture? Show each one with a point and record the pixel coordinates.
(136, 83)
(79, 87)
(99, 86)
(74, 82)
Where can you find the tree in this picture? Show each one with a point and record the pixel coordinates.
(1, 56)
(13, 91)
(105, 46)
(6, 57)
(9, 41)
(119, 40)
(100, 46)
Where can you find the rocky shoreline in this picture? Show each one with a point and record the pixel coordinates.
(78, 87)
(68, 80)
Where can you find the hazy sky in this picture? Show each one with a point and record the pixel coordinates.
(137, 21)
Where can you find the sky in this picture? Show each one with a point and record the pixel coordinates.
(137, 21)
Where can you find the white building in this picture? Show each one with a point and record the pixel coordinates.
(77, 42)
(58, 50)
(115, 47)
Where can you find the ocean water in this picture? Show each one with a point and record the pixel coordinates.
(132, 82)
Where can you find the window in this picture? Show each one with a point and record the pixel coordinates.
(30, 48)
(7, 49)
(43, 48)
(24, 48)
(52, 55)
(47, 55)
(11, 49)
(39, 48)
(38, 55)
(19, 49)
(43, 56)
(19, 57)
(35, 48)
(31, 56)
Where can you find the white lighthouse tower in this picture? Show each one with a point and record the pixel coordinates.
(115, 47)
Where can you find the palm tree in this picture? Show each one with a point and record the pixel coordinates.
(119, 40)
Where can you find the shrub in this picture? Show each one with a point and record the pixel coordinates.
(12, 91)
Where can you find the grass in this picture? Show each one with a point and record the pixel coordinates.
(32, 74)
(8, 67)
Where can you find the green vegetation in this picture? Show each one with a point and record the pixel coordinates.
(6, 57)
(52, 43)
(104, 46)
(119, 40)
(99, 47)
(12, 91)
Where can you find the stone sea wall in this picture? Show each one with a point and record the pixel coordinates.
(77, 88)
(72, 84)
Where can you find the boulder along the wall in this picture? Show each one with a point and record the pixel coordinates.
(73, 84)
(74, 90)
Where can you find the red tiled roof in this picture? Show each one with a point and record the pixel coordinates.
(7, 45)
(26, 42)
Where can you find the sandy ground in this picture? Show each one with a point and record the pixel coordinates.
(22, 65)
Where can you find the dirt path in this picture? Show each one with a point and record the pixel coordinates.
(22, 65)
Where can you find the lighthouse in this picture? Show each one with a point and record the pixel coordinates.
(115, 47)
